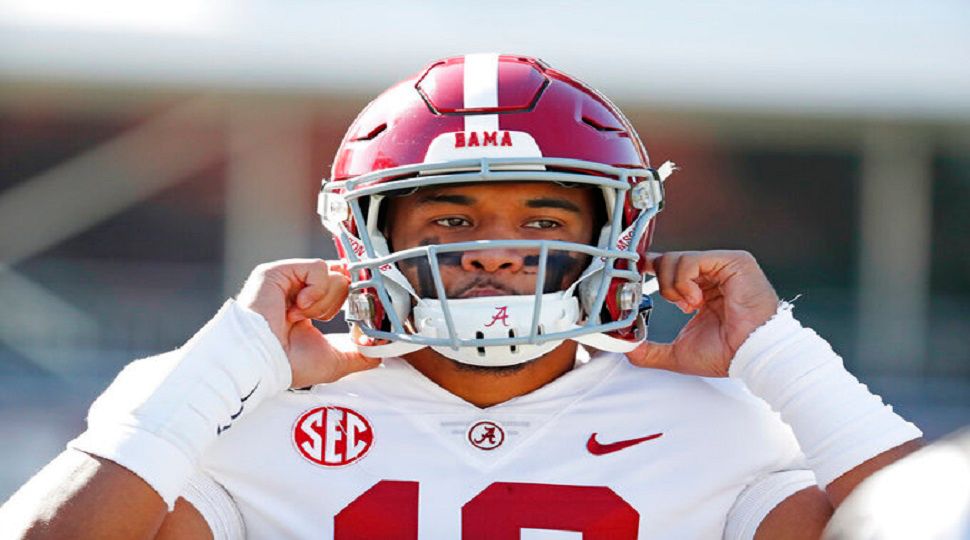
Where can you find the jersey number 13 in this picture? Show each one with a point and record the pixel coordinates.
(389, 510)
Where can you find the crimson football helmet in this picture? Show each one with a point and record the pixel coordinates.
(493, 118)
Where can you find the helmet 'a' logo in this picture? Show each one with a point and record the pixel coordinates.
(486, 435)
(482, 138)
(332, 436)
(501, 314)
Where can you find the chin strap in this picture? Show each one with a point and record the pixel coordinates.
(387, 350)
(604, 342)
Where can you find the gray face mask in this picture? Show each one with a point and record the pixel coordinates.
(493, 330)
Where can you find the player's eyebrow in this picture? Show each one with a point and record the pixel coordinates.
(450, 198)
(562, 204)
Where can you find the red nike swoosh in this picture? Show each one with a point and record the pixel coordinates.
(598, 449)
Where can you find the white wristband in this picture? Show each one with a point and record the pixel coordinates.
(161, 413)
(838, 423)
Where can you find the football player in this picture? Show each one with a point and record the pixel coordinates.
(493, 217)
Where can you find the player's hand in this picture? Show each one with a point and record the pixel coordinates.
(731, 297)
(288, 294)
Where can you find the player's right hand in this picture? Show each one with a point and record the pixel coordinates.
(291, 292)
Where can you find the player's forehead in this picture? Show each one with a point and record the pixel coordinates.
(511, 194)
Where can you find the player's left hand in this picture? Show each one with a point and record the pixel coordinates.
(731, 297)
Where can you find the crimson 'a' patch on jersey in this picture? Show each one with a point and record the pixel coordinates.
(486, 435)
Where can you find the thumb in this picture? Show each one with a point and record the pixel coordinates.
(316, 358)
(654, 355)
(338, 267)
(351, 359)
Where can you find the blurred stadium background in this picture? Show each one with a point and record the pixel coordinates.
(151, 154)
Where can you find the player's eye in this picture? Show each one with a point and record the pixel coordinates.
(452, 222)
(542, 224)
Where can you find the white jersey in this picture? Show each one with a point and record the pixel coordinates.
(608, 450)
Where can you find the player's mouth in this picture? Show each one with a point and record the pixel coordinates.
(482, 287)
(476, 292)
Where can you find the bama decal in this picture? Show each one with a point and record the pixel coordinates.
(332, 436)
(482, 138)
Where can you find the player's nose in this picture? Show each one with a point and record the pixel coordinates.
(492, 260)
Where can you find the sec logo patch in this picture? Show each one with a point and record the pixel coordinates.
(332, 436)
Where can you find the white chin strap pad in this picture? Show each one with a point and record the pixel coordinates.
(496, 317)
(501, 317)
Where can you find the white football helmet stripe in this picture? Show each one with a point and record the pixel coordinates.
(481, 90)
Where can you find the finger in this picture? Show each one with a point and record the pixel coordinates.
(324, 358)
(353, 359)
(651, 262)
(666, 270)
(654, 264)
(307, 297)
(653, 355)
(685, 279)
(320, 288)
(356, 361)
(327, 301)
(319, 276)
(316, 280)
(327, 306)
(338, 267)
(273, 289)
(276, 284)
